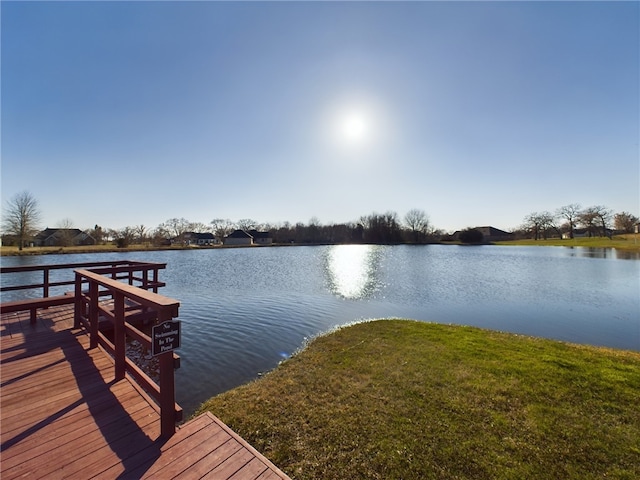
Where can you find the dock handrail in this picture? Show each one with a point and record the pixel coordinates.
(113, 290)
(115, 268)
(89, 309)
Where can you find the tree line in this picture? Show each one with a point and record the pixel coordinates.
(22, 216)
(414, 227)
(595, 221)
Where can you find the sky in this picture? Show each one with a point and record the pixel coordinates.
(478, 113)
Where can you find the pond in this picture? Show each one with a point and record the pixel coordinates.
(246, 309)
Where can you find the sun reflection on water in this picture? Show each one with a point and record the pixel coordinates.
(351, 270)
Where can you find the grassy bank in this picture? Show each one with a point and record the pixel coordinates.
(411, 400)
(622, 242)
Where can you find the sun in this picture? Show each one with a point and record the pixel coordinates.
(354, 127)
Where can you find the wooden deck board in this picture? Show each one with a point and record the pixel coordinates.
(64, 416)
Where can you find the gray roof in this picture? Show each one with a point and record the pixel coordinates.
(239, 234)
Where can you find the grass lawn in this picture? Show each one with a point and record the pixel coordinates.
(621, 242)
(398, 399)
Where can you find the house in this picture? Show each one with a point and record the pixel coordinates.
(60, 237)
(492, 234)
(238, 237)
(199, 238)
(261, 238)
(489, 234)
(577, 233)
(252, 237)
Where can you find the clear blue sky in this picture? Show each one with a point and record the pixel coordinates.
(129, 113)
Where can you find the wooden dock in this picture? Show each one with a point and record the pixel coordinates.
(63, 415)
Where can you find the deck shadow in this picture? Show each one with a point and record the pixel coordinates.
(111, 432)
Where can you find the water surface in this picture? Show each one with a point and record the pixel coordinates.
(246, 309)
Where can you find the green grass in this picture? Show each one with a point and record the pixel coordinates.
(622, 242)
(412, 400)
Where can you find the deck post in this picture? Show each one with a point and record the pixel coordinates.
(119, 335)
(93, 314)
(45, 283)
(167, 396)
(78, 304)
(167, 387)
(155, 280)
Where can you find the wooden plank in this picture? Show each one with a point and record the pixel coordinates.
(245, 444)
(81, 413)
(251, 470)
(271, 475)
(179, 458)
(48, 453)
(230, 466)
(141, 461)
(210, 461)
(124, 440)
(102, 412)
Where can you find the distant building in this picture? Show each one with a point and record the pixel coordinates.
(252, 237)
(238, 237)
(577, 233)
(61, 237)
(492, 234)
(200, 239)
(489, 234)
(261, 238)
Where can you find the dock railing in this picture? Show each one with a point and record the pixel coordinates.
(126, 300)
(114, 292)
(143, 274)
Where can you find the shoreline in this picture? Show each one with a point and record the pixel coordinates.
(628, 243)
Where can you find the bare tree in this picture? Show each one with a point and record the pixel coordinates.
(176, 227)
(97, 233)
(313, 231)
(221, 227)
(603, 216)
(110, 234)
(125, 237)
(533, 224)
(570, 213)
(140, 233)
(383, 228)
(588, 218)
(247, 224)
(199, 227)
(540, 224)
(417, 222)
(21, 217)
(65, 232)
(625, 222)
(160, 236)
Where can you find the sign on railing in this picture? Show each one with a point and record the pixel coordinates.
(165, 337)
